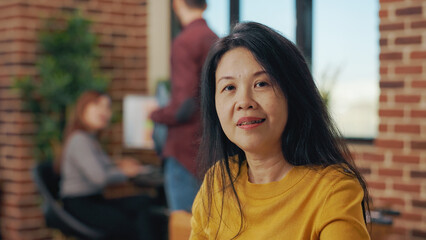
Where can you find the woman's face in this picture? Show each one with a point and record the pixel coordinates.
(97, 114)
(252, 112)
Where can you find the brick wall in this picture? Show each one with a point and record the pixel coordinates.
(121, 27)
(395, 167)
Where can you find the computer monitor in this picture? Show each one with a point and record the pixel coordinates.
(137, 127)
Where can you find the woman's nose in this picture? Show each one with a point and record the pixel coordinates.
(245, 100)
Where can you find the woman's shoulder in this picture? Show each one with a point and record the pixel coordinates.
(78, 138)
(334, 175)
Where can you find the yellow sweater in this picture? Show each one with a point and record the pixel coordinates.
(321, 203)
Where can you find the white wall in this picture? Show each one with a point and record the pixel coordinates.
(158, 42)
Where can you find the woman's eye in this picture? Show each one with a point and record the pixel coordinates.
(262, 84)
(228, 88)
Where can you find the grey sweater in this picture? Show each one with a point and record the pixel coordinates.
(85, 168)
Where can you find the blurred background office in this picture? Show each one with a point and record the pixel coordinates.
(367, 58)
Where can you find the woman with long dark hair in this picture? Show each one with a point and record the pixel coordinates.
(86, 170)
(276, 167)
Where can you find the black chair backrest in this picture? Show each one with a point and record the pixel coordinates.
(47, 182)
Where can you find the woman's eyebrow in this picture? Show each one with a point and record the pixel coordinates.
(231, 77)
(259, 73)
(225, 78)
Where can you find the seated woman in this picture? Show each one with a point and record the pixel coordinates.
(278, 168)
(86, 170)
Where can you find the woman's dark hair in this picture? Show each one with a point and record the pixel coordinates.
(310, 137)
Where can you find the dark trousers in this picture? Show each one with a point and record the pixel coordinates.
(123, 218)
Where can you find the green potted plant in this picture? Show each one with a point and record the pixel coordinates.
(67, 66)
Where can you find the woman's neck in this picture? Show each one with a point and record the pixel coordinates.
(266, 168)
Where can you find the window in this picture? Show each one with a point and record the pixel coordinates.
(217, 16)
(277, 14)
(345, 50)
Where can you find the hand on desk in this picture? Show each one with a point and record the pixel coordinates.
(131, 167)
(141, 175)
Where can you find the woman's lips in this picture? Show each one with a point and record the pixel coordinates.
(249, 122)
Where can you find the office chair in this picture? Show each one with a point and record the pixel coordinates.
(47, 182)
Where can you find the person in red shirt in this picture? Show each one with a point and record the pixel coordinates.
(181, 115)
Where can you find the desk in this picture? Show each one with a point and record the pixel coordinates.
(149, 183)
(381, 223)
(153, 177)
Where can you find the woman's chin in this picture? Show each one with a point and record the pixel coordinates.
(259, 147)
(251, 148)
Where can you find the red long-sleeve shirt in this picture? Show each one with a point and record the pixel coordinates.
(189, 51)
